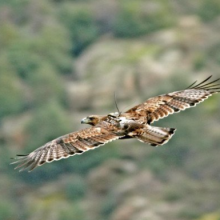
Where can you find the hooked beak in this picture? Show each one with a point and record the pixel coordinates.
(85, 121)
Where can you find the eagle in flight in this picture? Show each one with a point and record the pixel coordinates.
(134, 123)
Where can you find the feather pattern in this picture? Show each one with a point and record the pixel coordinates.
(161, 106)
(155, 136)
(65, 146)
(134, 123)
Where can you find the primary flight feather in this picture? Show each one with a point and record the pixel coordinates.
(134, 123)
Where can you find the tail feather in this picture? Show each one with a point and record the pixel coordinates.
(156, 135)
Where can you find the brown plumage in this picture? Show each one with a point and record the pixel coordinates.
(134, 123)
(163, 105)
(67, 145)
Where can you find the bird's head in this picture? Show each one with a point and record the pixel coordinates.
(91, 120)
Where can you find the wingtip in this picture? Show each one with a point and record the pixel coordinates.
(172, 131)
(211, 85)
(191, 84)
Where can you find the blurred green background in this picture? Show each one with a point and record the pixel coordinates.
(61, 60)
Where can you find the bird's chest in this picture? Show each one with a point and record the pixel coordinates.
(129, 125)
(122, 125)
(111, 124)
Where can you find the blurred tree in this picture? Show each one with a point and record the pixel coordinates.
(136, 18)
(23, 58)
(27, 54)
(81, 25)
(76, 188)
(214, 53)
(11, 97)
(210, 216)
(13, 3)
(53, 44)
(14, 11)
(46, 85)
(209, 9)
(8, 35)
(108, 205)
(7, 210)
(72, 211)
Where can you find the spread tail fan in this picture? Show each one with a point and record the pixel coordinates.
(156, 135)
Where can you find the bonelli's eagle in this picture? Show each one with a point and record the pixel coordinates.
(134, 123)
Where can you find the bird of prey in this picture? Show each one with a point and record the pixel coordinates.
(134, 123)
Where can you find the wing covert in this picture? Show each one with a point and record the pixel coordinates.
(65, 146)
(161, 106)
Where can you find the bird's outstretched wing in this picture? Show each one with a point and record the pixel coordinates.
(161, 106)
(65, 146)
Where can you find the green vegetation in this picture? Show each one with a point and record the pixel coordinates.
(11, 97)
(209, 10)
(5, 210)
(76, 189)
(140, 17)
(81, 25)
(71, 210)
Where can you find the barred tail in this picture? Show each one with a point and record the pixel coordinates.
(156, 135)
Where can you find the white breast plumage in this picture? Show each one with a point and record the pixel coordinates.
(124, 121)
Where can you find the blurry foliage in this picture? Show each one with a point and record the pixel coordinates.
(53, 45)
(18, 8)
(209, 9)
(23, 59)
(84, 163)
(188, 214)
(28, 54)
(108, 205)
(11, 95)
(13, 3)
(72, 211)
(76, 189)
(199, 62)
(173, 195)
(7, 210)
(46, 85)
(214, 53)
(9, 34)
(137, 18)
(210, 216)
(81, 25)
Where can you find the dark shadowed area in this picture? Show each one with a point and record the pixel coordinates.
(61, 60)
